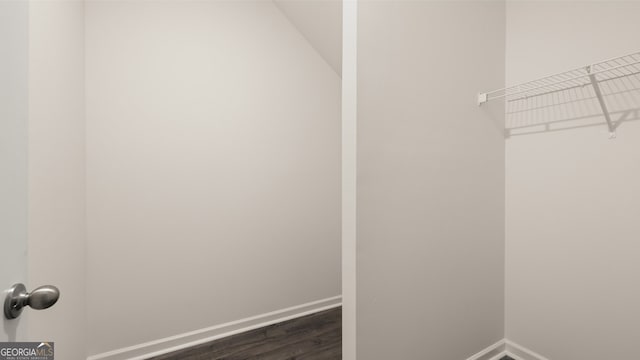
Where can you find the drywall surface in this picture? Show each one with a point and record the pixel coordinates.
(56, 243)
(14, 29)
(320, 22)
(572, 197)
(213, 170)
(430, 222)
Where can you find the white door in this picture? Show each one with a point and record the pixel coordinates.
(41, 169)
(13, 153)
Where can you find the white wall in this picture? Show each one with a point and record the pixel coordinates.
(56, 173)
(213, 170)
(14, 26)
(320, 22)
(572, 199)
(430, 262)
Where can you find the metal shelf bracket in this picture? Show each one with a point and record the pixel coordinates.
(603, 104)
(482, 98)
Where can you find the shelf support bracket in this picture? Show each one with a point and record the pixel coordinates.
(603, 105)
(482, 98)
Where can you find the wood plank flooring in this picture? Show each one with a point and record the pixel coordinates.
(313, 337)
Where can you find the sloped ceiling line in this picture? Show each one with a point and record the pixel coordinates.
(320, 23)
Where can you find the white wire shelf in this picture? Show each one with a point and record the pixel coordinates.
(598, 77)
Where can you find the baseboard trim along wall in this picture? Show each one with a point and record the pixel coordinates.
(504, 348)
(518, 352)
(192, 338)
(495, 351)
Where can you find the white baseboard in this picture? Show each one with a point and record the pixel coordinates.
(507, 347)
(519, 352)
(495, 351)
(192, 338)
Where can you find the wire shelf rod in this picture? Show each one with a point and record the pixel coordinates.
(585, 75)
(573, 87)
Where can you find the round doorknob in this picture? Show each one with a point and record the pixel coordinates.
(43, 297)
(40, 298)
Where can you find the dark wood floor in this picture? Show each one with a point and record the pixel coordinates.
(313, 337)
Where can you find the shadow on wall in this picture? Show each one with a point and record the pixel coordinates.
(575, 106)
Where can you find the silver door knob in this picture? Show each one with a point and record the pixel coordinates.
(40, 298)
